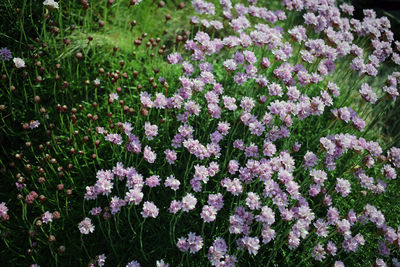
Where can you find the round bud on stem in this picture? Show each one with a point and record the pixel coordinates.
(79, 55)
(161, 4)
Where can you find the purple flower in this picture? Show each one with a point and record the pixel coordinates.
(86, 226)
(298, 33)
(268, 234)
(174, 58)
(170, 156)
(149, 210)
(150, 130)
(188, 202)
(310, 160)
(95, 211)
(5, 54)
(253, 201)
(275, 89)
(134, 196)
(34, 124)
(252, 244)
(266, 216)
(319, 252)
(172, 183)
(230, 65)
(133, 264)
(175, 206)
(153, 181)
(216, 201)
(47, 217)
(208, 213)
(115, 204)
(161, 263)
(149, 155)
(192, 242)
(101, 259)
(114, 138)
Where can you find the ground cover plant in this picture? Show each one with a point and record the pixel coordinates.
(198, 133)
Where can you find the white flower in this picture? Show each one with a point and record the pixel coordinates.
(19, 62)
(86, 226)
(50, 4)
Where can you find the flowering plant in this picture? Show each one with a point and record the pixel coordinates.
(250, 137)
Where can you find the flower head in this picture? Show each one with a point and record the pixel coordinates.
(149, 210)
(50, 4)
(19, 62)
(47, 217)
(5, 54)
(86, 226)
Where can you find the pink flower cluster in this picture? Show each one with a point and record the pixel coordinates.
(191, 243)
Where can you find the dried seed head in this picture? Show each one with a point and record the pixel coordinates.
(79, 55)
(52, 239)
(56, 215)
(32, 233)
(38, 79)
(42, 198)
(106, 216)
(61, 249)
(161, 4)
(144, 112)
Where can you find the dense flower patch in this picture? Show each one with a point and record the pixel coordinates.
(249, 140)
